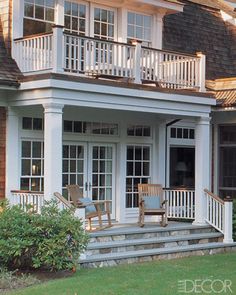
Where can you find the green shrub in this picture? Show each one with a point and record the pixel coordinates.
(234, 220)
(51, 240)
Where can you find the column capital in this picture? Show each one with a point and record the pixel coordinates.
(203, 121)
(53, 107)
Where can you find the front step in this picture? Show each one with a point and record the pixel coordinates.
(151, 243)
(128, 257)
(120, 245)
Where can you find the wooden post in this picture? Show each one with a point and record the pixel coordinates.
(228, 220)
(137, 58)
(202, 72)
(57, 49)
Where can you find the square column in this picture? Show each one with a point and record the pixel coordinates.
(13, 152)
(202, 168)
(52, 149)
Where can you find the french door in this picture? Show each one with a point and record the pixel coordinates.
(92, 167)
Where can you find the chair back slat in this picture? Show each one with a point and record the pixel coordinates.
(75, 193)
(146, 190)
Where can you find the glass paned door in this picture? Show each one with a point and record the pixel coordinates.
(92, 167)
(101, 173)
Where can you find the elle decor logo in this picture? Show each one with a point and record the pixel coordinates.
(207, 286)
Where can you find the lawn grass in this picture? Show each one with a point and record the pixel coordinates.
(160, 277)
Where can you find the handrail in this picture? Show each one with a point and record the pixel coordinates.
(32, 36)
(183, 54)
(26, 192)
(214, 196)
(63, 200)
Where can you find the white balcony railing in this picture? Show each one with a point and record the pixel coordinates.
(68, 53)
(181, 203)
(34, 53)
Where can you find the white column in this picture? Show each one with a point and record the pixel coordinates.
(162, 153)
(202, 71)
(157, 36)
(137, 69)
(12, 154)
(228, 220)
(52, 149)
(202, 168)
(58, 49)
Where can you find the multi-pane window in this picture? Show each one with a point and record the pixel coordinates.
(29, 123)
(182, 133)
(137, 171)
(72, 166)
(227, 153)
(32, 156)
(139, 130)
(91, 127)
(75, 17)
(139, 27)
(38, 16)
(104, 23)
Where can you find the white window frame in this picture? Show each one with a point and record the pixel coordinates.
(87, 13)
(135, 26)
(149, 177)
(31, 158)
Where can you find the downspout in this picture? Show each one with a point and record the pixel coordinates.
(168, 125)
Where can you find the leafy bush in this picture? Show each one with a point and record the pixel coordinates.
(51, 240)
(234, 220)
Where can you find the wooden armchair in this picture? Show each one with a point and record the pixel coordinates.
(151, 202)
(93, 209)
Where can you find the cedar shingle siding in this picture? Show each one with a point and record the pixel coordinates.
(2, 151)
(201, 28)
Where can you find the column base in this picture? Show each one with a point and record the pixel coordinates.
(230, 241)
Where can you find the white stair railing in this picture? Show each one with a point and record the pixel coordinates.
(181, 203)
(219, 214)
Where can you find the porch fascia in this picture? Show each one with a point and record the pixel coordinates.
(101, 95)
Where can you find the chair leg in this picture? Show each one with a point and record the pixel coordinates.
(142, 219)
(90, 224)
(109, 219)
(100, 220)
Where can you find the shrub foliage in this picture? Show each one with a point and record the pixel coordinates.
(51, 240)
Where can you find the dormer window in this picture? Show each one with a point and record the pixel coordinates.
(139, 27)
(38, 16)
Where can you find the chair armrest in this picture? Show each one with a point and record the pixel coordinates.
(98, 204)
(164, 203)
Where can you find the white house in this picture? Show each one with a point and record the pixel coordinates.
(100, 104)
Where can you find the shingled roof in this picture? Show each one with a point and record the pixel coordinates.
(201, 28)
(9, 71)
(216, 4)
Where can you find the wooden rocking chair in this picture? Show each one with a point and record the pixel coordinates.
(151, 202)
(93, 209)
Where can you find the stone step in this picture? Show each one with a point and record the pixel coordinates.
(135, 232)
(112, 259)
(151, 243)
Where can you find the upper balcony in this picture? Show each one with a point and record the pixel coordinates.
(118, 40)
(61, 52)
